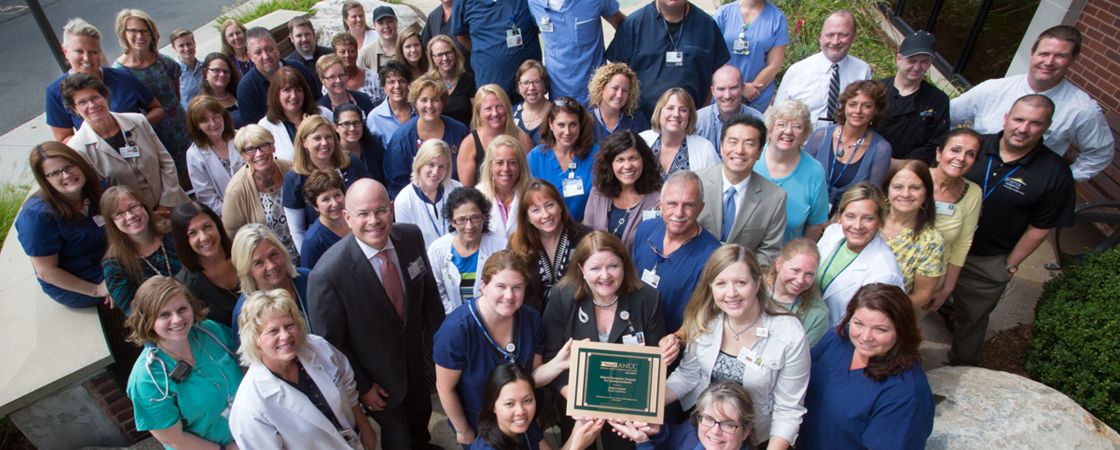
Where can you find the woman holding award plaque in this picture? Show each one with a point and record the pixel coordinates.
(603, 301)
(509, 409)
(733, 333)
(495, 329)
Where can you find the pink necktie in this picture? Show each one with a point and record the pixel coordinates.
(391, 281)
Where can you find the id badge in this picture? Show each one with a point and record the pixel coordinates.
(674, 58)
(545, 25)
(749, 358)
(945, 208)
(650, 214)
(761, 332)
(130, 151)
(741, 47)
(98, 220)
(513, 37)
(573, 187)
(638, 338)
(651, 278)
(415, 269)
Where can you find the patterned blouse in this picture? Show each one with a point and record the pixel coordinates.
(275, 220)
(680, 160)
(160, 78)
(923, 256)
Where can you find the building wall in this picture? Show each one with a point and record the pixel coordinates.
(1097, 71)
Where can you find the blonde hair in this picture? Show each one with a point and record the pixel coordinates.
(79, 27)
(792, 249)
(122, 22)
(257, 307)
(486, 177)
(303, 165)
(429, 150)
(152, 296)
(432, 68)
(248, 238)
(252, 134)
(603, 76)
(686, 98)
(497, 91)
(702, 306)
(426, 81)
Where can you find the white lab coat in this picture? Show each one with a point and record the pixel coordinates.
(447, 275)
(874, 264)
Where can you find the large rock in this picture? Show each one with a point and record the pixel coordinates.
(981, 408)
(328, 17)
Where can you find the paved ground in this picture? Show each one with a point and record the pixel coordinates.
(29, 65)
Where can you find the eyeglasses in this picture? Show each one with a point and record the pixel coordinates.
(133, 209)
(726, 426)
(69, 168)
(350, 124)
(443, 55)
(218, 71)
(475, 220)
(791, 125)
(537, 83)
(257, 149)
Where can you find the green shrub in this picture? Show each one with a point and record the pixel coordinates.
(11, 198)
(807, 16)
(263, 8)
(1075, 347)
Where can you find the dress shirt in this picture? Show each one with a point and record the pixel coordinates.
(740, 188)
(371, 255)
(709, 125)
(807, 80)
(1078, 119)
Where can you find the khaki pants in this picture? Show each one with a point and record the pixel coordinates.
(982, 282)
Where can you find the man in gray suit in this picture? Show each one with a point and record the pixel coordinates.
(744, 207)
(373, 296)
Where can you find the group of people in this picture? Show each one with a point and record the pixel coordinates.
(281, 247)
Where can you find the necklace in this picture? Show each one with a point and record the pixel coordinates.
(736, 334)
(166, 262)
(605, 305)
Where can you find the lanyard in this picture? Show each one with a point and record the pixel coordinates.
(824, 273)
(843, 167)
(988, 174)
(509, 353)
(166, 261)
(680, 33)
(440, 230)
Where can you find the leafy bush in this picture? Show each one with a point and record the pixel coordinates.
(1075, 348)
(262, 9)
(11, 198)
(807, 16)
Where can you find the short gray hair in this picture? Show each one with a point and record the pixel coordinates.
(684, 176)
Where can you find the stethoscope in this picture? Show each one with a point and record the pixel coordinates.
(509, 352)
(165, 392)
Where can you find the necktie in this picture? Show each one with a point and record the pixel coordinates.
(833, 91)
(728, 213)
(391, 281)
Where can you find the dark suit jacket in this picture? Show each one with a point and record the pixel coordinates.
(348, 306)
(562, 320)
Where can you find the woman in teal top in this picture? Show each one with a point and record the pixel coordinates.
(183, 385)
(787, 165)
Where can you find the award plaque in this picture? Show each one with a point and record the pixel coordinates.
(616, 381)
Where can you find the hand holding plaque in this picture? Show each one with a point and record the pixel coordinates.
(616, 381)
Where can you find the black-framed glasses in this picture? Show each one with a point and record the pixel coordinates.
(133, 209)
(69, 168)
(257, 148)
(726, 426)
(350, 124)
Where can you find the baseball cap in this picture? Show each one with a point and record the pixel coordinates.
(917, 43)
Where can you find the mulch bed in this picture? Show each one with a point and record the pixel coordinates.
(1005, 350)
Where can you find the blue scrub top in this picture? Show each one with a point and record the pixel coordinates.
(574, 47)
(544, 165)
(643, 40)
(767, 31)
(461, 345)
(846, 409)
(636, 122)
(292, 190)
(486, 22)
(404, 144)
(530, 440)
(79, 244)
(316, 241)
(678, 272)
(126, 94)
(806, 195)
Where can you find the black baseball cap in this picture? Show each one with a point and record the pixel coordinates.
(382, 12)
(917, 43)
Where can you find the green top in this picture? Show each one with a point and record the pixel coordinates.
(813, 316)
(835, 264)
